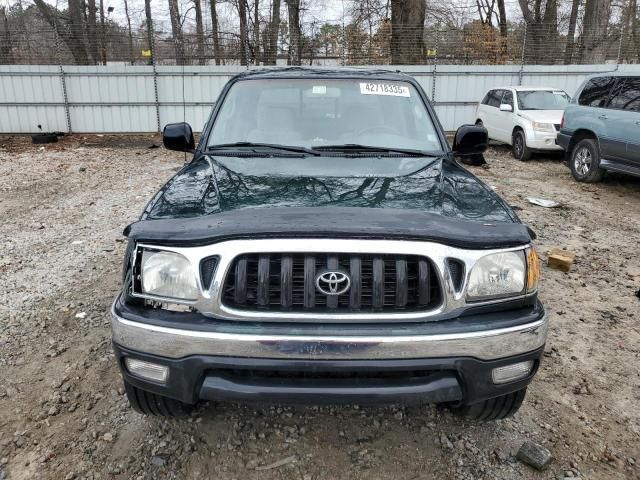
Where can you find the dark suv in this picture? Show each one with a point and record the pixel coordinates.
(600, 130)
(324, 245)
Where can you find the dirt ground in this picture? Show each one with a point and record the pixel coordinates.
(63, 413)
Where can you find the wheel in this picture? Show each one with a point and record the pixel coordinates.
(519, 146)
(585, 161)
(493, 409)
(149, 403)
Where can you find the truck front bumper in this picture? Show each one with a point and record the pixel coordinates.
(448, 361)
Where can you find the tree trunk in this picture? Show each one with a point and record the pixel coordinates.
(502, 24)
(295, 53)
(256, 32)
(126, 12)
(92, 34)
(635, 30)
(200, 52)
(214, 32)
(407, 28)
(176, 30)
(571, 33)
(274, 30)
(103, 34)
(69, 36)
(594, 31)
(244, 38)
(550, 31)
(5, 39)
(150, 42)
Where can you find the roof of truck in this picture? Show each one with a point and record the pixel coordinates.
(310, 72)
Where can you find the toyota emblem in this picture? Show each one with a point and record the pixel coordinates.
(333, 283)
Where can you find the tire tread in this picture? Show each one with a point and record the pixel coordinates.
(149, 403)
(493, 408)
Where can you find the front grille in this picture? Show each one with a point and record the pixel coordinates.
(287, 282)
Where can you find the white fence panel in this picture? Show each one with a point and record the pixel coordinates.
(123, 98)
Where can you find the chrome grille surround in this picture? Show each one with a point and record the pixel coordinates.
(209, 302)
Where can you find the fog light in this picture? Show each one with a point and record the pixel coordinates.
(150, 371)
(512, 372)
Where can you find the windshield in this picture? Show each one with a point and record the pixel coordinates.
(322, 112)
(542, 100)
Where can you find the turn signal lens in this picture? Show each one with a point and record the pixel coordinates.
(147, 370)
(533, 269)
(510, 373)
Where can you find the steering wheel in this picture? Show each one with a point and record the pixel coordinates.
(379, 129)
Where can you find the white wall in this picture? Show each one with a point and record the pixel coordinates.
(122, 98)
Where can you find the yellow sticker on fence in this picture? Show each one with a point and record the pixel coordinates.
(146, 53)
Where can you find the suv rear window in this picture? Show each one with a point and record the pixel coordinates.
(627, 95)
(596, 92)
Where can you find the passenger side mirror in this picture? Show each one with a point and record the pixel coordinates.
(179, 137)
(505, 107)
(470, 140)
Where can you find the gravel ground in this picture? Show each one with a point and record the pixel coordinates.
(63, 413)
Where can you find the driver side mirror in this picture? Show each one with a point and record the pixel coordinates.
(470, 140)
(179, 137)
(505, 107)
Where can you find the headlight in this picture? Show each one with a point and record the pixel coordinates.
(497, 275)
(168, 275)
(543, 127)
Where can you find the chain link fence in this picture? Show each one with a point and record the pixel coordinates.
(328, 44)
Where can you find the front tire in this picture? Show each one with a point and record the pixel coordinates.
(519, 148)
(493, 409)
(585, 161)
(149, 403)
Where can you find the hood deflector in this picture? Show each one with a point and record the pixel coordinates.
(331, 222)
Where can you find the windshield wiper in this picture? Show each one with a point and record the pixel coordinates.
(356, 148)
(270, 146)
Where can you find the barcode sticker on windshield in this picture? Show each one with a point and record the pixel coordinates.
(379, 88)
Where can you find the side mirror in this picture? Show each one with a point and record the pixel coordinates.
(505, 107)
(178, 136)
(470, 140)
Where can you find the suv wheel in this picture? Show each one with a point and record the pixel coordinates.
(149, 403)
(520, 149)
(585, 161)
(493, 409)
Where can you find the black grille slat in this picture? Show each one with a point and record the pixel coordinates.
(287, 282)
(240, 291)
(377, 296)
(424, 292)
(309, 282)
(263, 280)
(355, 266)
(402, 283)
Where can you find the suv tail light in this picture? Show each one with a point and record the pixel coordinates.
(562, 121)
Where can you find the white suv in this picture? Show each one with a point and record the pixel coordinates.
(527, 118)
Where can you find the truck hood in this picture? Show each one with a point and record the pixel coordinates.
(212, 185)
(218, 198)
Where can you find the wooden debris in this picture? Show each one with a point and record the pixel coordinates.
(561, 259)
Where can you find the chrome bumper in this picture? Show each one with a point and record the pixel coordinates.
(178, 343)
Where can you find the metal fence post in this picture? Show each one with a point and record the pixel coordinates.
(524, 48)
(63, 82)
(155, 79)
(434, 71)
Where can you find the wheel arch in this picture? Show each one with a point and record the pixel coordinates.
(581, 134)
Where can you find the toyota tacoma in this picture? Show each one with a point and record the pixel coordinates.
(324, 245)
